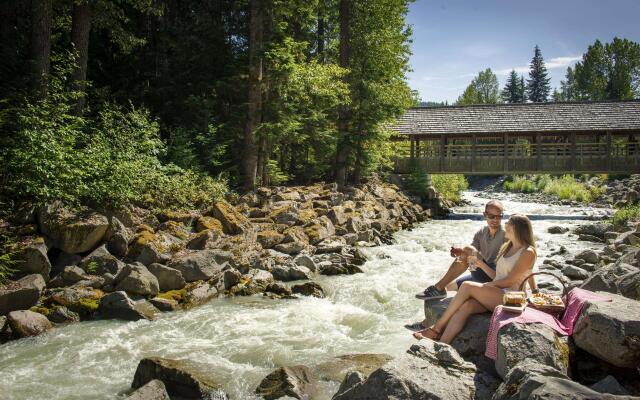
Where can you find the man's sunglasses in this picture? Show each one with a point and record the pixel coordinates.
(493, 216)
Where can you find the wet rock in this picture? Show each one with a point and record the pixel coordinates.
(309, 289)
(431, 371)
(181, 378)
(32, 258)
(588, 256)
(100, 261)
(71, 231)
(575, 273)
(230, 278)
(118, 305)
(557, 229)
(606, 279)
(611, 331)
(164, 304)
(537, 342)
(168, 278)
(304, 260)
(152, 390)
(198, 265)
(82, 300)
(21, 294)
(298, 382)
(350, 380)
(62, 315)
(589, 238)
(338, 368)
(232, 220)
(28, 323)
(200, 293)
(531, 380)
(279, 289)
(609, 385)
(290, 272)
(136, 279)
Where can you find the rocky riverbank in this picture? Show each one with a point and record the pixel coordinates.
(76, 265)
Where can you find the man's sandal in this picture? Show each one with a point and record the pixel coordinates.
(434, 336)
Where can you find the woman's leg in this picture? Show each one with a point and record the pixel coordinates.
(488, 296)
(459, 319)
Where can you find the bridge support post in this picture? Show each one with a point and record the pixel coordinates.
(539, 151)
(442, 150)
(573, 152)
(474, 141)
(413, 151)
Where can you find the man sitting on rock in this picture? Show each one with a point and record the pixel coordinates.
(485, 245)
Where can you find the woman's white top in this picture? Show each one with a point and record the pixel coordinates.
(506, 264)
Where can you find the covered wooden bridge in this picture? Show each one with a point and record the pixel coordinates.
(555, 138)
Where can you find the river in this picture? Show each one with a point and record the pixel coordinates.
(242, 339)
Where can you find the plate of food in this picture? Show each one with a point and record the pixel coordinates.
(514, 302)
(546, 301)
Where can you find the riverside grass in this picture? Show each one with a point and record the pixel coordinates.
(626, 214)
(566, 187)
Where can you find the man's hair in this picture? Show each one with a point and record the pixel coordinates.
(494, 203)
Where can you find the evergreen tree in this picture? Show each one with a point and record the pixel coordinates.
(538, 83)
(567, 86)
(511, 91)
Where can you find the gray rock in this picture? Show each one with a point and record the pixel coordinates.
(168, 278)
(589, 238)
(537, 342)
(597, 230)
(136, 279)
(309, 289)
(294, 247)
(531, 380)
(72, 274)
(181, 378)
(297, 381)
(199, 294)
(606, 279)
(588, 267)
(629, 285)
(199, 265)
(152, 390)
(200, 241)
(164, 304)
(350, 380)
(230, 278)
(609, 385)
(628, 238)
(21, 294)
(290, 272)
(27, 323)
(588, 256)
(100, 261)
(70, 231)
(610, 331)
(432, 371)
(279, 289)
(117, 238)
(65, 259)
(118, 305)
(304, 260)
(32, 258)
(557, 229)
(575, 273)
(62, 315)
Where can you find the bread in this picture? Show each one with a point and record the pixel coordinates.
(514, 298)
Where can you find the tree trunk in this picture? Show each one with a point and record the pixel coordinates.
(250, 154)
(40, 45)
(80, 30)
(342, 151)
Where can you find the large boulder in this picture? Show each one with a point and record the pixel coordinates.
(118, 305)
(168, 278)
(319, 229)
(70, 231)
(629, 285)
(589, 256)
(117, 238)
(575, 273)
(232, 220)
(309, 289)
(298, 382)
(597, 230)
(199, 293)
(32, 258)
(146, 248)
(431, 371)
(100, 261)
(26, 323)
(537, 342)
(199, 265)
(136, 279)
(181, 378)
(611, 331)
(152, 390)
(607, 278)
(82, 300)
(531, 380)
(21, 294)
(290, 272)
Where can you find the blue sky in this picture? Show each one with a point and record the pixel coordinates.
(455, 39)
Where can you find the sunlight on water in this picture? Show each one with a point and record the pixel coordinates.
(239, 341)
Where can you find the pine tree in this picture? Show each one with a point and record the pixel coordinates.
(538, 83)
(522, 91)
(511, 92)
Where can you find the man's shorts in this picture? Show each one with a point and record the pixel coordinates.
(476, 276)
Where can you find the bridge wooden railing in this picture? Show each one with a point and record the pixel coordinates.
(498, 158)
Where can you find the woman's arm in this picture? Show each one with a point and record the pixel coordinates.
(491, 273)
(523, 267)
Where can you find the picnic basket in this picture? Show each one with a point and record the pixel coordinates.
(550, 308)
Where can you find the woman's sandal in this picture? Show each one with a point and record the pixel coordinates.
(435, 336)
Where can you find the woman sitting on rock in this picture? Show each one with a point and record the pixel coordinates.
(514, 262)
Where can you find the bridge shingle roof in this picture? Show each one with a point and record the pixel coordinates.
(520, 118)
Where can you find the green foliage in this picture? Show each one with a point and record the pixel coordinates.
(417, 182)
(514, 89)
(483, 89)
(450, 186)
(276, 176)
(92, 267)
(626, 214)
(8, 255)
(538, 83)
(567, 187)
(468, 97)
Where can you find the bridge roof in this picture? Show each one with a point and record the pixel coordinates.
(520, 118)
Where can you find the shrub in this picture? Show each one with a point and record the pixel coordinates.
(566, 187)
(519, 184)
(450, 186)
(625, 214)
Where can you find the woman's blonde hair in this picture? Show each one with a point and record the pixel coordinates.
(523, 232)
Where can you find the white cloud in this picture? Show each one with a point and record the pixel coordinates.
(552, 63)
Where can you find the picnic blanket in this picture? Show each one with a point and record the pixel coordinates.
(574, 302)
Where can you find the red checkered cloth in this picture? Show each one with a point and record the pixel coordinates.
(576, 298)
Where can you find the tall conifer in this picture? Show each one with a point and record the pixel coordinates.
(538, 83)
(511, 92)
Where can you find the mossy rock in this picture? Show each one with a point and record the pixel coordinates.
(306, 215)
(269, 238)
(175, 295)
(46, 311)
(183, 217)
(232, 220)
(209, 223)
(177, 229)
